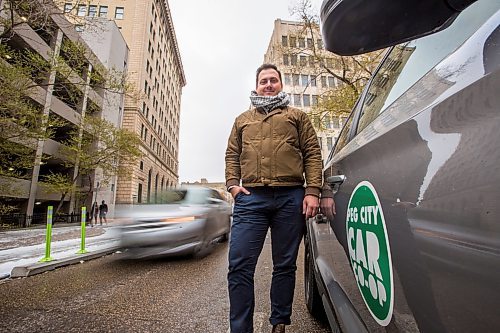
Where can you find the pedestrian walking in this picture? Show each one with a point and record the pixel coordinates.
(103, 210)
(271, 151)
(94, 213)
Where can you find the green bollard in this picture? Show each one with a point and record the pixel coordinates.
(48, 236)
(84, 216)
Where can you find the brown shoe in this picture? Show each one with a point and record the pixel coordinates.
(280, 328)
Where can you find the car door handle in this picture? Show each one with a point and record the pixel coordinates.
(320, 218)
(335, 180)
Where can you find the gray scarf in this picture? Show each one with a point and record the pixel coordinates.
(269, 103)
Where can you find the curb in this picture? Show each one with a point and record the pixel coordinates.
(41, 267)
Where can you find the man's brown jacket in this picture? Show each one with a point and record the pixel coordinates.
(275, 149)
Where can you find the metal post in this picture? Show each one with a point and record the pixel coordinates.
(48, 236)
(82, 247)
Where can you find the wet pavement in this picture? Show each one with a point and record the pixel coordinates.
(108, 294)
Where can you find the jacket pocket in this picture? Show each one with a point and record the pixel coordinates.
(249, 161)
(289, 165)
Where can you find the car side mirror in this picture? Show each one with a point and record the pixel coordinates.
(351, 27)
(335, 181)
(214, 201)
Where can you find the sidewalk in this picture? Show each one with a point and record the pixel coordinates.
(22, 249)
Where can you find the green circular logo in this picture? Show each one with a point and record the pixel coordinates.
(369, 251)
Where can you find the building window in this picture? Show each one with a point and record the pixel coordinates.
(313, 81)
(305, 80)
(319, 43)
(303, 60)
(293, 42)
(320, 141)
(92, 10)
(284, 40)
(68, 7)
(296, 100)
(288, 81)
(103, 11)
(302, 42)
(331, 81)
(323, 82)
(309, 43)
(82, 10)
(139, 193)
(119, 13)
(311, 61)
(314, 100)
(285, 60)
(307, 100)
(141, 165)
(293, 59)
(296, 78)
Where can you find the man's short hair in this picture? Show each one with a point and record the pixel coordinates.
(263, 67)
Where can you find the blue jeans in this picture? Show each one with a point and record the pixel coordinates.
(278, 208)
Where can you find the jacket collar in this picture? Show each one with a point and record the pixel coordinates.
(275, 111)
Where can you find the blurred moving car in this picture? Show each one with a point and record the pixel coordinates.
(185, 221)
(415, 243)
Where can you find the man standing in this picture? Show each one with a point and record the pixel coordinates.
(272, 150)
(103, 211)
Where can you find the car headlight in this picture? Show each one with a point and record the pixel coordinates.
(180, 219)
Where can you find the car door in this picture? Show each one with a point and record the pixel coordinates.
(220, 212)
(411, 233)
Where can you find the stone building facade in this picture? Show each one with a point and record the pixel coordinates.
(157, 76)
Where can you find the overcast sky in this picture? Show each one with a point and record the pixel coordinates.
(222, 42)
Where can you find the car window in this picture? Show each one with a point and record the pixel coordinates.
(216, 195)
(407, 63)
(172, 196)
(196, 196)
(343, 138)
(192, 196)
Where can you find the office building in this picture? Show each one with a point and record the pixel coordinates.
(157, 76)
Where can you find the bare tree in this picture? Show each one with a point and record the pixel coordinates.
(351, 73)
(102, 146)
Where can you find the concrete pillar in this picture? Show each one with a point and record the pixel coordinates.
(55, 46)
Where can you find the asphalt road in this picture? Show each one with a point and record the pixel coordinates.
(167, 295)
